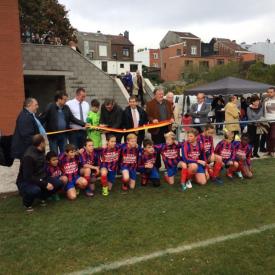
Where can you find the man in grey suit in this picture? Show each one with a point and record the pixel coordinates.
(199, 111)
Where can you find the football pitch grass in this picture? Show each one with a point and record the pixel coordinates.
(66, 237)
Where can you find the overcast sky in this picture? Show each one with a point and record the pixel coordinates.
(148, 21)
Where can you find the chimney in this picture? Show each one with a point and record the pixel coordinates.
(268, 40)
(126, 34)
(98, 32)
(234, 41)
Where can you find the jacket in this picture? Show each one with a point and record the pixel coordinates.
(25, 129)
(152, 110)
(136, 88)
(202, 115)
(232, 114)
(33, 168)
(50, 117)
(127, 119)
(113, 118)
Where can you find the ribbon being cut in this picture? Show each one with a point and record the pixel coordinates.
(110, 129)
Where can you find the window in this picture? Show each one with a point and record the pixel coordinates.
(104, 66)
(155, 65)
(194, 50)
(178, 52)
(133, 68)
(204, 64)
(164, 65)
(86, 48)
(188, 62)
(184, 43)
(220, 61)
(126, 52)
(102, 50)
(121, 65)
(155, 55)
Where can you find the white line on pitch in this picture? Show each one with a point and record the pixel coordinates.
(175, 250)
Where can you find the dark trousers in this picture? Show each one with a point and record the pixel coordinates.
(263, 142)
(78, 138)
(30, 192)
(254, 138)
(159, 139)
(140, 97)
(57, 142)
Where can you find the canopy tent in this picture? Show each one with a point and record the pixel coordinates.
(229, 86)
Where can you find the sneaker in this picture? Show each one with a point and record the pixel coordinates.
(105, 191)
(229, 176)
(183, 187)
(256, 155)
(124, 187)
(217, 180)
(43, 203)
(239, 175)
(29, 209)
(189, 184)
(89, 193)
(55, 197)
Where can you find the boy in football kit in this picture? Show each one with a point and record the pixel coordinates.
(225, 149)
(146, 165)
(170, 153)
(194, 156)
(69, 164)
(89, 163)
(54, 171)
(109, 158)
(206, 140)
(243, 152)
(129, 160)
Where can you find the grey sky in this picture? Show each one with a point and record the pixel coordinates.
(148, 21)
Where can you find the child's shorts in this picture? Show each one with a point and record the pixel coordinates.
(150, 173)
(111, 176)
(201, 169)
(132, 173)
(172, 171)
(71, 184)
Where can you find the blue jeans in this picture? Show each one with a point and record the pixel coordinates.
(30, 192)
(57, 142)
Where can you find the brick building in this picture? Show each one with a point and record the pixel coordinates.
(180, 50)
(11, 69)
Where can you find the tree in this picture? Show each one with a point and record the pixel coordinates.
(44, 16)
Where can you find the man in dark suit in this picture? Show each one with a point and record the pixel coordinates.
(134, 116)
(199, 111)
(57, 117)
(26, 127)
(159, 109)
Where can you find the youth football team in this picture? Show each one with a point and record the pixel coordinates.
(195, 159)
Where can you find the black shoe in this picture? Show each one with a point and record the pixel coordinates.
(256, 156)
(29, 209)
(263, 150)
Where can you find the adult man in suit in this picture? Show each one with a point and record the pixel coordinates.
(26, 127)
(159, 109)
(57, 117)
(199, 111)
(134, 116)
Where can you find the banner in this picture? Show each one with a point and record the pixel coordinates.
(110, 129)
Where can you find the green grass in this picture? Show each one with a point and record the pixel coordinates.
(69, 236)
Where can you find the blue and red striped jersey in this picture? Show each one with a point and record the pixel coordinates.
(146, 158)
(191, 153)
(129, 157)
(53, 171)
(89, 158)
(109, 158)
(69, 167)
(170, 154)
(243, 151)
(225, 150)
(207, 143)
